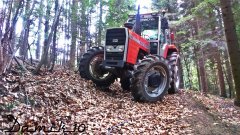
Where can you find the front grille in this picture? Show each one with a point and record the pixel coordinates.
(115, 37)
(117, 33)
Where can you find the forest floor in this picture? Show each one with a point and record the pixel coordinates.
(62, 96)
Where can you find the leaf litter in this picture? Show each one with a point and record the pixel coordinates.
(64, 96)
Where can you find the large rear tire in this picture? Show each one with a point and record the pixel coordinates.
(174, 62)
(90, 68)
(153, 68)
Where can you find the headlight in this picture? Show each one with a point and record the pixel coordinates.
(109, 48)
(118, 48)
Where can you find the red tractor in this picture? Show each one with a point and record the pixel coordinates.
(141, 54)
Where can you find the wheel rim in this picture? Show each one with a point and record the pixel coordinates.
(95, 69)
(155, 92)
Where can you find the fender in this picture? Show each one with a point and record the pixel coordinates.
(167, 49)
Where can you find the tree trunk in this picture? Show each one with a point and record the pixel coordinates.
(74, 34)
(100, 27)
(181, 85)
(220, 74)
(26, 27)
(197, 67)
(189, 83)
(5, 40)
(83, 27)
(202, 73)
(229, 76)
(54, 55)
(1, 52)
(37, 52)
(48, 37)
(9, 34)
(233, 45)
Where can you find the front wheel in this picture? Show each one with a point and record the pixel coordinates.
(90, 68)
(151, 79)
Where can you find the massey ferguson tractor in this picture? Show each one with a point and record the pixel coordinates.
(141, 54)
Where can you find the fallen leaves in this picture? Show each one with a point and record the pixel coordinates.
(64, 96)
(223, 108)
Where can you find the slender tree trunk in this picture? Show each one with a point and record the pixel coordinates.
(74, 34)
(100, 27)
(220, 74)
(54, 55)
(189, 83)
(37, 52)
(26, 27)
(197, 66)
(83, 27)
(202, 73)
(1, 51)
(233, 45)
(181, 86)
(229, 74)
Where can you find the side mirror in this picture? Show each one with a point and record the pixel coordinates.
(128, 25)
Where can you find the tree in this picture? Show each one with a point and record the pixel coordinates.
(220, 74)
(233, 45)
(37, 52)
(53, 54)
(100, 23)
(74, 34)
(48, 37)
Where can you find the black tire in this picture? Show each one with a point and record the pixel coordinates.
(125, 84)
(144, 68)
(174, 62)
(86, 70)
(125, 80)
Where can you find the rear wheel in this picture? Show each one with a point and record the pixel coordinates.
(90, 68)
(174, 62)
(151, 79)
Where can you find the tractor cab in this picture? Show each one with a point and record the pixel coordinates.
(154, 28)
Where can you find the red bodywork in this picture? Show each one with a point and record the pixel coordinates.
(169, 48)
(135, 43)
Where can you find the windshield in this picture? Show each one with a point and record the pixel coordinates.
(150, 34)
(150, 28)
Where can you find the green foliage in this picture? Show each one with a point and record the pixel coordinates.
(236, 11)
(118, 12)
(170, 5)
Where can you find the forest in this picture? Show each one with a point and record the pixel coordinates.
(44, 44)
